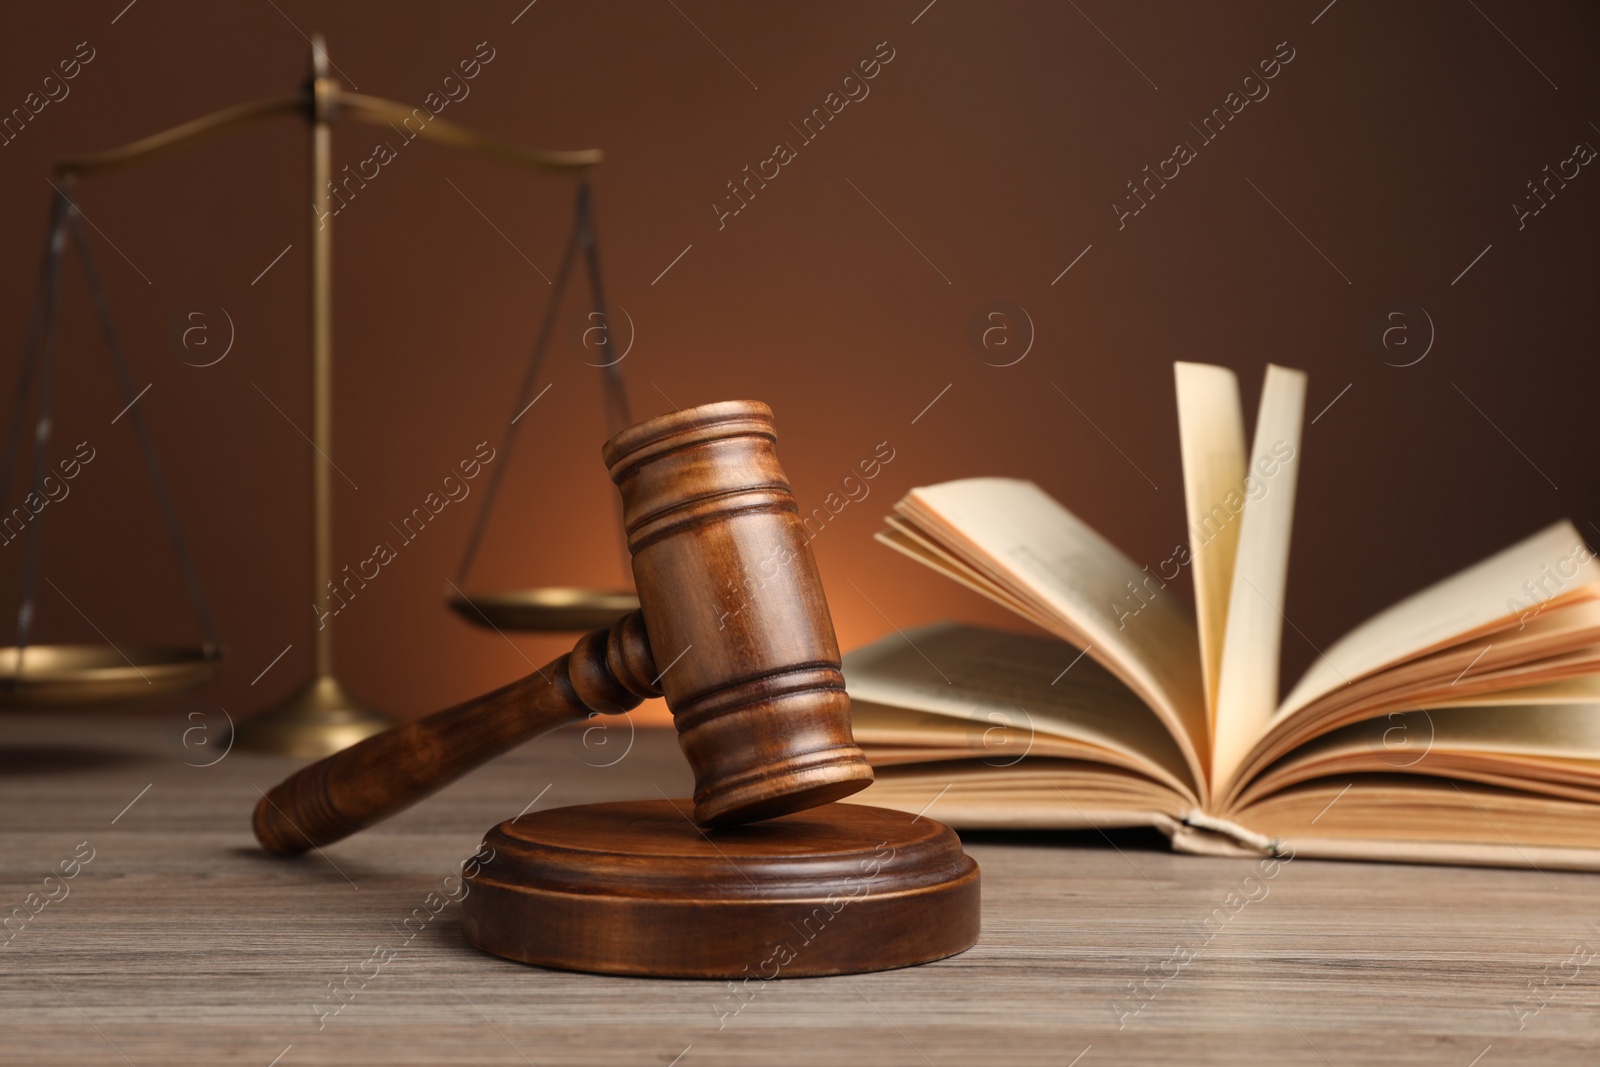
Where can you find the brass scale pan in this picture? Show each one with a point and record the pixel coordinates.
(558, 609)
(64, 676)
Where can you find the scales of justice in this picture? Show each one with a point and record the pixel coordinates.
(761, 874)
(319, 716)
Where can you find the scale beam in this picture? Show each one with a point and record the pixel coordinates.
(380, 112)
(197, 129)
(374, 110)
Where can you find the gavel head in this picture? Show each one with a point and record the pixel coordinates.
(733, 606)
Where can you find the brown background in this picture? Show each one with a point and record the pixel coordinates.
(996, 141)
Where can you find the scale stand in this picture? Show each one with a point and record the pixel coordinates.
(320, 717)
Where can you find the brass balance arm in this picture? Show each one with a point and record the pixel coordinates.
(370, 109)
(226, 119)
(380, 112)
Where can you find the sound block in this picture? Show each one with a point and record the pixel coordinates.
(637, 888)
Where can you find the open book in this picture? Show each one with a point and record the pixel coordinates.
(1461, 725)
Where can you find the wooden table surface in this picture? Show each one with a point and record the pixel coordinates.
(179, 942)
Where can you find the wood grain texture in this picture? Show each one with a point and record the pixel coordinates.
(732, 608)
(736, 613)
(181, 943)
(607, 672)
(636, 887)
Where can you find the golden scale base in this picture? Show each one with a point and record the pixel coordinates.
(317, 719)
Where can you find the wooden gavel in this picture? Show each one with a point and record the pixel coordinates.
(753, 680)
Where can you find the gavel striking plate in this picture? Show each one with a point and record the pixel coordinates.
(761, 866)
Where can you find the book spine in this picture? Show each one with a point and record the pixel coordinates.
(1234, 839)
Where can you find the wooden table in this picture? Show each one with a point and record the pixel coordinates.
(179, 942)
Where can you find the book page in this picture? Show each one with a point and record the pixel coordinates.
(1410, 740)
(1519, 581)
(1545, 657)
(1247, 692)
(1211, 438)
(1584, 690)
(1047, 794)
(1538, 747)
(904, 538)
(1444, 821)
(1016, 534)
(1010, 688)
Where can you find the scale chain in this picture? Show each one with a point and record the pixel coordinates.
(43, 425)
(582, 236)
(158, 480)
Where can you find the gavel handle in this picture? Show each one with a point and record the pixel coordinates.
(607, 671)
